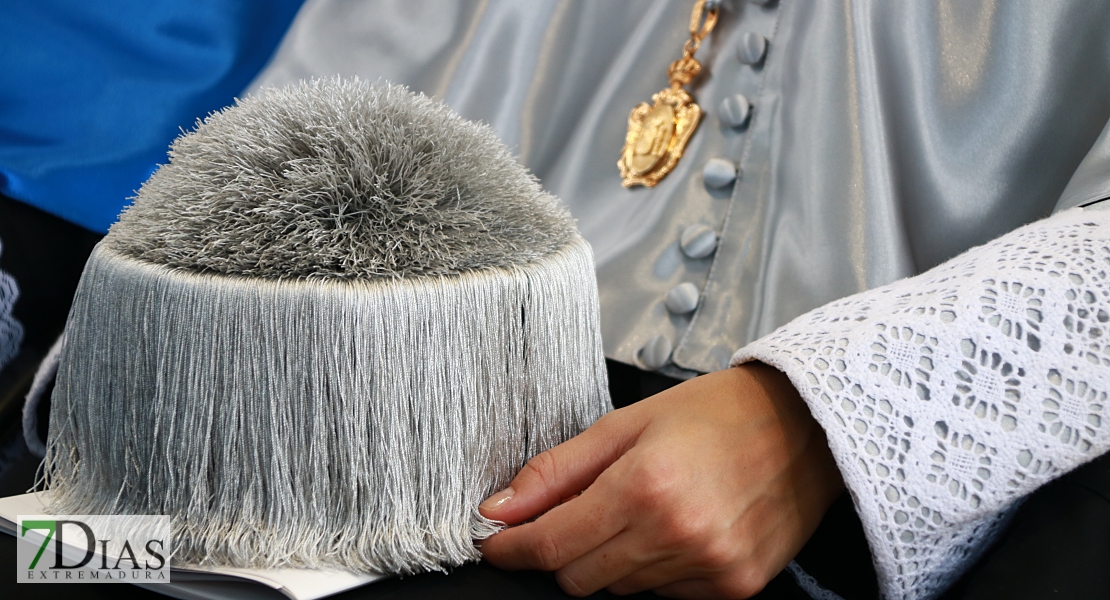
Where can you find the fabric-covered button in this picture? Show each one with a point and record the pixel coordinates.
(734, 110)
(751, 48)
(656, 353)
(682, 299)
(698, 241)
(719, 172)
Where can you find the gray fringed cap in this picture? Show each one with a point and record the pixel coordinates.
(338, 319)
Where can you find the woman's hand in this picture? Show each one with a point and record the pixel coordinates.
(705, 490)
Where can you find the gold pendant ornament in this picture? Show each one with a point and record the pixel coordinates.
(657, 133)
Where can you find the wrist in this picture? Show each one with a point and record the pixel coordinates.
(814, 465)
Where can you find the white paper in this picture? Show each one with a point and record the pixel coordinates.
(195, 582)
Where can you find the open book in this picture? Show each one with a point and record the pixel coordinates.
(216, 583)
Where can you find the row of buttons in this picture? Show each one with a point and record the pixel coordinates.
(734, 112)
(700, 241)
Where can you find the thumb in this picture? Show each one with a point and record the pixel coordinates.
(563, 471)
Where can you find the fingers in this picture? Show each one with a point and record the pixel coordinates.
(621, 556)
(684, 553)
(563, 471)
(560, 536)
(649, 577)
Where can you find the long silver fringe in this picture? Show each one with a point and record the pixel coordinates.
(323, 424)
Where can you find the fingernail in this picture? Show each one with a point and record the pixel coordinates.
(495, 501)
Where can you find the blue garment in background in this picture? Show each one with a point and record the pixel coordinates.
(92, 93)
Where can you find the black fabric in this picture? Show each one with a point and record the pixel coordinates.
(15, 381)
(627, 384)
(837, 555)
(45, 256)
(1058, 545)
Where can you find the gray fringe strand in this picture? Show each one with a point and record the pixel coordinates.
(44, 375)
(342, 424)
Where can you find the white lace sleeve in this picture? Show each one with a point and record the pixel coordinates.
(948, 396)
(11, 332)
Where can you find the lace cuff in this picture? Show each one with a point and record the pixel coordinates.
(949, 396)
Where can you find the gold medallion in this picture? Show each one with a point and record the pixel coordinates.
(658, 132)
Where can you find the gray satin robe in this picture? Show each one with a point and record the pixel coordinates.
(885, 137)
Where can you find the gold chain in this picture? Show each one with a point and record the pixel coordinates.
(701, 24)
(657, 134)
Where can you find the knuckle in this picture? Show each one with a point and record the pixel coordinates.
(539, 470)
(748, 551)
(570, 585)
(744, 582)
(548, 556)
(614, 421)
(606, 420)
(677, 533)
(658, 486)
(688, 531)
(718, 554)
(610, 426)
